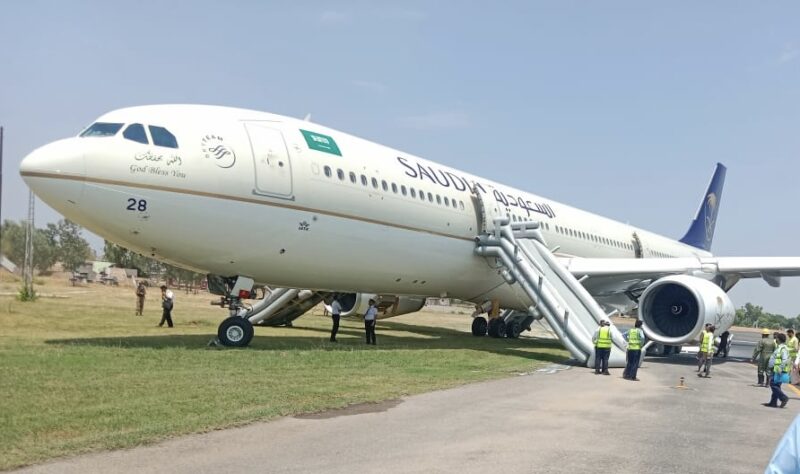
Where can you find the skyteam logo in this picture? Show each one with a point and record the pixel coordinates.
(214, 147)
(711, 205)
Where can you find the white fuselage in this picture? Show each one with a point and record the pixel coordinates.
(249, 193)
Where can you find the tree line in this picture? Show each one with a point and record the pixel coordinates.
(751, 315)
(63, 242)
(59, 242)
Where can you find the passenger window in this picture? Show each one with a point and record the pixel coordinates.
(403, 189)
(135, 132)
(340, 174)
(327, 171)
(394, 188)
(421, 195)
(353, 177)
(461, 205)
(162, 137)
(363, 180)
(447, 201)
(102, 129)
(430, 197)
(384, 185)
(454, 204)
(374, 183)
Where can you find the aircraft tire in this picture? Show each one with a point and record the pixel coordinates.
(513, 329)
(479, 326)
(501, 328)
(235, 332)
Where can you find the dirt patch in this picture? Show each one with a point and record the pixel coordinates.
(358, 409)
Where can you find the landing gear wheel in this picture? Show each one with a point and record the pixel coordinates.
(479, 326)
(497, 328)
(513, 329)
(235, 332)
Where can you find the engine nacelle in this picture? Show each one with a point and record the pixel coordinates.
(675, 309)
(356, 304)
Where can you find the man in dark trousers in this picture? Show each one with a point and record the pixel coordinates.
(635, 338)
(167, 302)
(602, 347)
(336, 310)
(369, 322)
(141, 291)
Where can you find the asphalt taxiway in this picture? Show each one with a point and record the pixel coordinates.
(562, 419)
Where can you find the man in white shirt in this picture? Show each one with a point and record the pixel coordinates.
(336, 310)
(369, 322)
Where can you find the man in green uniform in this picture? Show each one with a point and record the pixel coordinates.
(761, 355)
(792, 344)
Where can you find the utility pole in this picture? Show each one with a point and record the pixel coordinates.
(27, 267)
(1, 190)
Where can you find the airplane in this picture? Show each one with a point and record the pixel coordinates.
(255, 198)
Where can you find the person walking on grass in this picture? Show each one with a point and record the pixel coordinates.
(167, 303)
(370, 318)
(141, 291)
(336, 310)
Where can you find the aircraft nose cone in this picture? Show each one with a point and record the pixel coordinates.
(56, 173)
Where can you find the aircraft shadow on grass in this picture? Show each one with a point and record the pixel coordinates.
(350, 336)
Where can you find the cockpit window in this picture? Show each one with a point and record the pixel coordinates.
(102, 129)
(135, 132)
(163, 137)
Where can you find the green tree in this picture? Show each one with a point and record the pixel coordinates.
(45, 247)
(73, 249)
(125, 258)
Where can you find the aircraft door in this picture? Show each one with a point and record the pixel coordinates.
(273, 168)
(637, 246)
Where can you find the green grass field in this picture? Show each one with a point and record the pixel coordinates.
(82, 373)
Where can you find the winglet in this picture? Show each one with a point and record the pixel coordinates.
(701, 232)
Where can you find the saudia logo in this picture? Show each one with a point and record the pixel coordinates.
(214, 147)
(711, 215)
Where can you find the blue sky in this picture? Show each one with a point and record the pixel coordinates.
(621, 108)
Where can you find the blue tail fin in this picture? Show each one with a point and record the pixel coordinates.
(701, 232)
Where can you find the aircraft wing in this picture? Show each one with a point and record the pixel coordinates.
(615, 275)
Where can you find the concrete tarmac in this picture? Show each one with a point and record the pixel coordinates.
(560, 420)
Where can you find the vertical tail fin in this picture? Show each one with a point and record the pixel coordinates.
(701, 232)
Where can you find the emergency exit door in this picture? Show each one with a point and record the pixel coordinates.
(273, 169)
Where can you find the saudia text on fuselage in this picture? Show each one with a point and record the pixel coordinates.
(448, 179)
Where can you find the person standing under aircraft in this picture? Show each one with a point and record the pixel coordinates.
(792, 344)
(761, 354)
(369, 322)
(336, 310)
(635, 338)
(141, 291)
(167, 303)
(779, 362)
(723, 344)
(602, 347)
(706, 352)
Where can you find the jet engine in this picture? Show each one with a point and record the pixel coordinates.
(356, 304)
(675, 309)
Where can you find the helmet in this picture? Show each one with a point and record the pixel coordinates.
(765, 332)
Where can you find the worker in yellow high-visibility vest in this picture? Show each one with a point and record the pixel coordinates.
(706, 352)
(780, 363)
(792, 344)
(635, 338)
(602, 347)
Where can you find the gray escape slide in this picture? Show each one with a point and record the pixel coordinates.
(549, 289)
